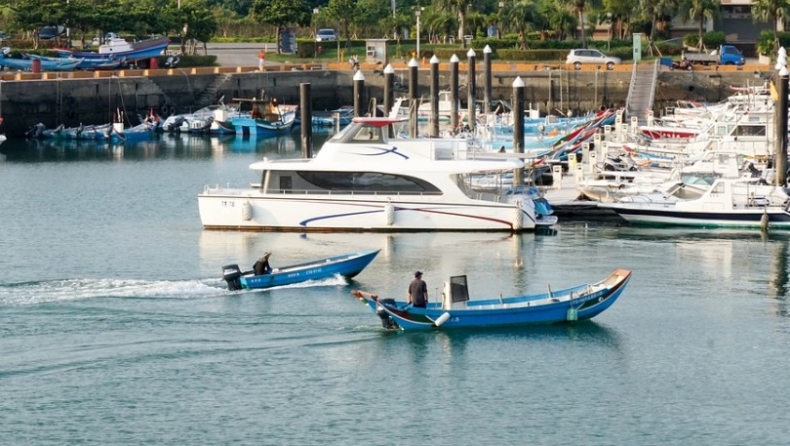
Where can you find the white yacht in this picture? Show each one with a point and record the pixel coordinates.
(361, 180)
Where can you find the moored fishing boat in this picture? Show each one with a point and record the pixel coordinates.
(121, 49)
(456, 310)
(45, 65)
(346, 265)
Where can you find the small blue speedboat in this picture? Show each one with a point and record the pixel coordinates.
(346, 265)
(457, 311)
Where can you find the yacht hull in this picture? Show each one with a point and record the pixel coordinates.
(252, 210)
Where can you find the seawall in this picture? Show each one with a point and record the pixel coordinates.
(93, 97)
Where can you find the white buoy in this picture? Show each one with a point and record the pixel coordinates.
(442, 319)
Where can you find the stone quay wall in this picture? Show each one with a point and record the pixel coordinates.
(96, 97)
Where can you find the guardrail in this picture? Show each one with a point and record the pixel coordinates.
(334, 66)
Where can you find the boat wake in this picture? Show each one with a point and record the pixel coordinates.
(32, 293)
(336, 280)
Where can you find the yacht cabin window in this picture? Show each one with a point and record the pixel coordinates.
(367, 182)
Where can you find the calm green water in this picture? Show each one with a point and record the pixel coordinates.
(115, 328)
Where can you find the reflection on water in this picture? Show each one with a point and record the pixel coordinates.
(164, 146)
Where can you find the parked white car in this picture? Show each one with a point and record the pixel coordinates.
(584, 56)
(325, 35)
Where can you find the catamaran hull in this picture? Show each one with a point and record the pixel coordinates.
(287, 212)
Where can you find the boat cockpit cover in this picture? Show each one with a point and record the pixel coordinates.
(459, 292)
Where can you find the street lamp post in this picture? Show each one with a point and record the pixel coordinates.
(315, 31)
(499, 28)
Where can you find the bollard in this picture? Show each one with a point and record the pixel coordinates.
(579, 173)
(153, 63)
(556, 176)
(35, 66)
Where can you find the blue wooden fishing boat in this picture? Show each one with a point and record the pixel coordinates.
(121, 49)
(457, 311)
(27, 64)
(266, 119)
(346, 265)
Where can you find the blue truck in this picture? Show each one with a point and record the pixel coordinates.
(724, 55)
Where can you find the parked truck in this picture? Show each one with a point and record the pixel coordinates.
(724, 55)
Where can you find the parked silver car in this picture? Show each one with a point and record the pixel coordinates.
(325, 35)
(584, 56)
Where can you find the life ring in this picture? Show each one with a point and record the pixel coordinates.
(172, 109)
(541, 127)
(163, 110)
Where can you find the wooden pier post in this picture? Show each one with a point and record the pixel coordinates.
(306, 111)
(471, 85)
(434, 123)
(413, 97)
(454, 96)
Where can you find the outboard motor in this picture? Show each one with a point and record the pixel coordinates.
(232, 275)
(386, 320)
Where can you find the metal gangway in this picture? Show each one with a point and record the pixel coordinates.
(642, 91)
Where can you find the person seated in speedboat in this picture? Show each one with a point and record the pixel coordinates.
(262, 265)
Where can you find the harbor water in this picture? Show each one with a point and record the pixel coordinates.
(116, 328)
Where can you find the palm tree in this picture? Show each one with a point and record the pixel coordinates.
(699, 11)
(522, 16)
(658, 11)
(579, 7)
(459, 7)
(771, 11)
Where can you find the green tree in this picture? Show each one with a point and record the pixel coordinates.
(558, 19)
(771, 11)
(199, 25)
(622, 11)
(282, 13)
(344, 12)
(698, 11)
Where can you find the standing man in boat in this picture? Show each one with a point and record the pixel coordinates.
(262, 265)
(418, 291)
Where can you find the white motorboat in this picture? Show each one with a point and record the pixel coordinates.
(727, 203)
(361, 180)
